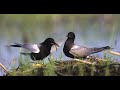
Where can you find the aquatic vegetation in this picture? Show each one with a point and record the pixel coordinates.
(105, 67)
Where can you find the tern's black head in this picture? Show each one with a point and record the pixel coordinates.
(50, 41)
(71, 35)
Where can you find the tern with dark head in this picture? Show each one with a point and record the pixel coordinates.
(38, 51)
(74, 51)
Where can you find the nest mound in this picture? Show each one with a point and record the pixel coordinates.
(97, 67)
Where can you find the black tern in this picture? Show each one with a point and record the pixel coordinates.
(37, 51)
(74, 51)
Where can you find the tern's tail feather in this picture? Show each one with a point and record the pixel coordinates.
(95, 50)
(16, 45)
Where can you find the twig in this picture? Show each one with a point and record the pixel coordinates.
(4, 68)
(74, 60)
(115, 53)
(83, 61)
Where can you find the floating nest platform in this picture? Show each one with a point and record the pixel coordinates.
(94, 67)
(76, 68)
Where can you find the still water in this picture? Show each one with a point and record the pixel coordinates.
(88, 34)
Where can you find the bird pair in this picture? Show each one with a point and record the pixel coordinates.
(42, 50)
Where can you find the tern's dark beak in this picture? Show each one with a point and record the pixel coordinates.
(56, 44)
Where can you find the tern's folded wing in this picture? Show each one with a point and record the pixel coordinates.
(80, 51)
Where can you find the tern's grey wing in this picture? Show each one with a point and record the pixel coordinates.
(32, 47)
(80, 51)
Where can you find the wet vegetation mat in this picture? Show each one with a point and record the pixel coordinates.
(96, 67)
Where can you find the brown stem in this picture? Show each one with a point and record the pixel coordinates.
(4, 68)
(115, 53)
